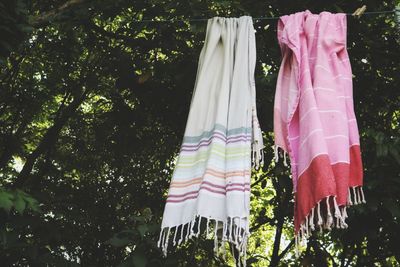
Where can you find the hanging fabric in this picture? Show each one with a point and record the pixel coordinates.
(210, 186)
(314, 120)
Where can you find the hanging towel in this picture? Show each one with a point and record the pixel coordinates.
(210, 186)
(314, 120)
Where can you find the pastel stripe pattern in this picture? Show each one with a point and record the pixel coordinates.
(214, 149)
(314, 120)
(210, 186)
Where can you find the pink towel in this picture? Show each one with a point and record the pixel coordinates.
(314, 120)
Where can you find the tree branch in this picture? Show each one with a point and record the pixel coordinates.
(265, 220)
(45, 18)
(100, 30)
(48, 140)
(277, 241)
(12, 141)
(262, 178)
(288, 247)
(334, 264)
(276, 257)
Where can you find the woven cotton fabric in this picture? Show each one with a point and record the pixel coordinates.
(314, 119)
(209, 191)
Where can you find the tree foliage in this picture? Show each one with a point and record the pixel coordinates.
(93, 107)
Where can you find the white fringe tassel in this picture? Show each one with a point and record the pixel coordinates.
(325, 220)
(257, 154)
(355, 196)
(257, 144)
(276, 155)
(233, 230)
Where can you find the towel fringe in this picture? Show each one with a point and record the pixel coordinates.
(191, 228)
(224, 236)
(340, 223)
(207, 227)
(174, 238)
(329, 219)
(235, 230)
(216, 238)
(320, 221)
(257, 154)
(362, 195)
(355, 195)
(166, 241)
(312, 226)
(325, 220)
(231, 228)
(159, 238)
(181, 238)
(198, 226)
(349, 201)
(257, 144)
(187, 232)
(276, 155)
(343, 212)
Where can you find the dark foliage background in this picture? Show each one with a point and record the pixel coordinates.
(92, 111)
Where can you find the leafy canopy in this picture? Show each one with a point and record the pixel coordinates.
(93, 107)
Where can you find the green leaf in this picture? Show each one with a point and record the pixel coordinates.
(153, 228)
(147, 214)
(126, 263)
(32, 203)
(143, 229)
(139, 218)
(19, 203)
(118, 242)
(26, 28)
(395, 153)
(139, 259)
(393, 207)
(6, 200)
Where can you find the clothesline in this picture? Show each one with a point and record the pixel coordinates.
(255, 18)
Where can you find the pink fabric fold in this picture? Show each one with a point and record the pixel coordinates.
(314, 120)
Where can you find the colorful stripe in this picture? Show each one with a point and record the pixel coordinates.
(221, 136)
(224, 187)
(179, 183)
(209, 190)
(236, 139)
(218, 128)
(197, 152)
